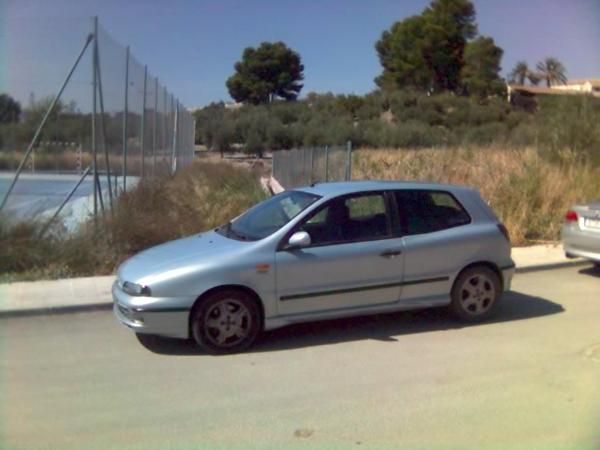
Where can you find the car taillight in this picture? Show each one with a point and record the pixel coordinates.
(504, 231)
(571, 216)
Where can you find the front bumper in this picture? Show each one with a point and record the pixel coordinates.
(161, 316)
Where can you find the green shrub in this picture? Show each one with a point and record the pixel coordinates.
(523, 134)
(562, 125)
(486, 134)
(414, 134)
(200, 197)
(570, 124)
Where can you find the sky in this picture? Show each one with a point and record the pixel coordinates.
(192, 45)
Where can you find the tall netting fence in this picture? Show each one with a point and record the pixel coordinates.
(304, 166)
(93, 120)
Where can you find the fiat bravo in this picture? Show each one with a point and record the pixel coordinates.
(320, 252)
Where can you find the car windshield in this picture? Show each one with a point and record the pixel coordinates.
(269, 216)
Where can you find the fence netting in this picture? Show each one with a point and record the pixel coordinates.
(113, 116)
(304, 166)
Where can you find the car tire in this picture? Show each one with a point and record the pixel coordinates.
(475, 294)
(227, 321)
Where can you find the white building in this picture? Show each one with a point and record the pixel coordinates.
(584, 86)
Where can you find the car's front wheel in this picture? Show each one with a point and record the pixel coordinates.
(227, 321)
(475, 293)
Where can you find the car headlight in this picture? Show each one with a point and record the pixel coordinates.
(136, 289)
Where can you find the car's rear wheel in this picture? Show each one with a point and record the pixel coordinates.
(475, 294)
(226, 322)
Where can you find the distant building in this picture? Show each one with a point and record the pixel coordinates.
(584, 86)
(233, 105)
(525, 96)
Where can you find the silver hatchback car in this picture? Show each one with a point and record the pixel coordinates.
(320, 252)
(581, 232)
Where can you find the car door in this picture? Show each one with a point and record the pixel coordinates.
(354, 259)
(434, 240)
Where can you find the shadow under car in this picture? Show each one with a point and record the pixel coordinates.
(382, 327)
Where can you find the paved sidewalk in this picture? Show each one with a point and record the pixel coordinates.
(68, 295)
(76, 294)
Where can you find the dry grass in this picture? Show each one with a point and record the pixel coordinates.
(200, 197)
(70, 161)
(529, 194)
(63, 161)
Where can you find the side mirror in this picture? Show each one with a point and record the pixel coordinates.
(299, 239)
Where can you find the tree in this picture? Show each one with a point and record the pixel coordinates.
(519, 73)
(480, 74)
(426, 51)
(10, 109)
(400, 53)
(449, 24)
(552, 71)
(269, 71)
(534, 78)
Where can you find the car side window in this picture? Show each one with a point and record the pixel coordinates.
(423, 211)
(349, 219)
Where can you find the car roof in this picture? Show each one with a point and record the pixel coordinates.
(350, 187)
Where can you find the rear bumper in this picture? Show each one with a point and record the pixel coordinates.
(577, 251)
(167, 317)
(581, 243)
(507, 275)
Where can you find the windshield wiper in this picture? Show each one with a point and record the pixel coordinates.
(230, 232)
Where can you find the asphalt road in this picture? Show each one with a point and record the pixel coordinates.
(529, 379)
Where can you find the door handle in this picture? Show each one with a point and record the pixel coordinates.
(391, 253)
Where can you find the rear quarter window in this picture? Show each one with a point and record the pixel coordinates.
(422, 211)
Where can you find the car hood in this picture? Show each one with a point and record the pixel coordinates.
(178, 257)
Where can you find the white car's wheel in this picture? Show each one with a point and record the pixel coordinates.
(475, 293)
(226, 322)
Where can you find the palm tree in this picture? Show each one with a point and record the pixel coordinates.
(519, 73)
(534, 78)
(552, 70)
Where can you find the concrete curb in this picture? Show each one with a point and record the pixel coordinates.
(550, 266)
(56, 310)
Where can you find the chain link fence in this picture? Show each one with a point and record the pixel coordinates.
(304, 166)
(90, 109)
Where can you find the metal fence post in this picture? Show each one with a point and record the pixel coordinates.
(193, 154)
(94, 115)
(348, 160)
(326, 163)
(154, 130)
(43, 122)
(165, 121)
(175, 130)
(125, 114)
(143, 131)
(305, 166)
(312, 164)
(64, 202)
(98, 77)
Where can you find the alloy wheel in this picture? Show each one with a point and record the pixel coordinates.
(477, 294)
(227, 323)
